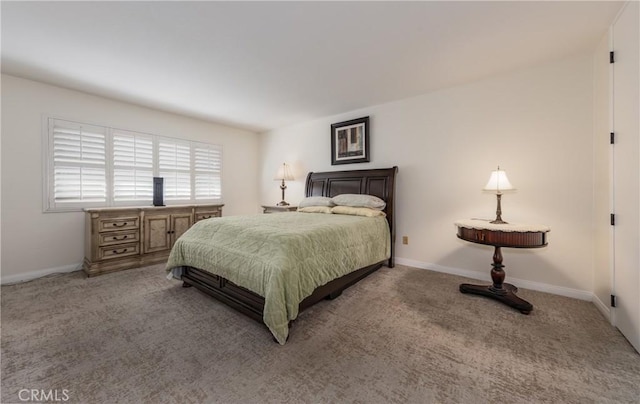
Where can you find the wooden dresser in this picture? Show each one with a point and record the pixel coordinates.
(124, 238)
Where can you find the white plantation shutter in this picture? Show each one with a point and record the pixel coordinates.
(132, 167)
(97, 166)
(208, 171)
(174, 165)
(78, 165)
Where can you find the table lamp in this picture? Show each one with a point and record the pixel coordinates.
(283, 174)
(498, 182)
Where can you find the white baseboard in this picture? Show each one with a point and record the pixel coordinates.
(27, 276)
(485, 276)
(603, 308)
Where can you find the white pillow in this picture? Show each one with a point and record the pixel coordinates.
(315, 209)
(350, 210)
(359, 201)
(316, 201)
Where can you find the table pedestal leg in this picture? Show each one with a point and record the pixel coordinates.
(504, 292)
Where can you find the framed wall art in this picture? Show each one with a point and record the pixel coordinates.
(350, 141)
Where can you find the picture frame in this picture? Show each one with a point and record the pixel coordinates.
(350, 141)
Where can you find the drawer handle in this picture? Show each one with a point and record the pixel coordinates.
(124, 250)
(119, 225)
(123, 238)
(206, 217)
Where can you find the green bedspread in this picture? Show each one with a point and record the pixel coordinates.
(282, 257)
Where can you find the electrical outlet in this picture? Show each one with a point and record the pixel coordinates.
(405, 239)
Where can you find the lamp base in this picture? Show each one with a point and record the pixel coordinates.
(498, 211)
(283, 203)
(498, 221)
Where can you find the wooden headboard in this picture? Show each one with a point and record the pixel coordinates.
(378, 182)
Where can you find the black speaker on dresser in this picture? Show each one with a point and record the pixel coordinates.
(158, 191)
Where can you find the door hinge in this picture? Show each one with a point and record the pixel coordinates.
(613, 219)
(612, 138)
(611, 58)
(613, 300)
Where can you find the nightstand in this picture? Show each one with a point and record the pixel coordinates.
(497, 236)
(278, 209)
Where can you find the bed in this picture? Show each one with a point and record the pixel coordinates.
(225, 257)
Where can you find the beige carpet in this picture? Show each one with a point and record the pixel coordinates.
(403, 335)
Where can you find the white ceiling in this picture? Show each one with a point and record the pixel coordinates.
(263, 65)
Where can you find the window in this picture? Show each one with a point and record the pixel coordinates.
(174, 160)
(96, 166)
(208, 171)
(132, 167)
(77, 165)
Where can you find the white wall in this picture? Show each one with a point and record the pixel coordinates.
(537, 124)
(34, 242)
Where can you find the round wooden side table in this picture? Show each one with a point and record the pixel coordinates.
(501, 235)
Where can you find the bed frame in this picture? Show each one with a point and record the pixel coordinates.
(377, 182)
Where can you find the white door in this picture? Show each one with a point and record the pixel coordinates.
(626, 176)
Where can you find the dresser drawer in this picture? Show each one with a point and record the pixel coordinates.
(118, 251)
(206, 215)
(514, 239)
(207, 212)
(119, 223)
(119, 237)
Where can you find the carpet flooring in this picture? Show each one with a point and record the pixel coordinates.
(402, 335)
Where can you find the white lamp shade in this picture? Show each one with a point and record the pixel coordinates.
(498, 182)
(284, 173)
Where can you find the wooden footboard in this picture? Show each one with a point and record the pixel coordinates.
(252, 304)
(226, 291)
